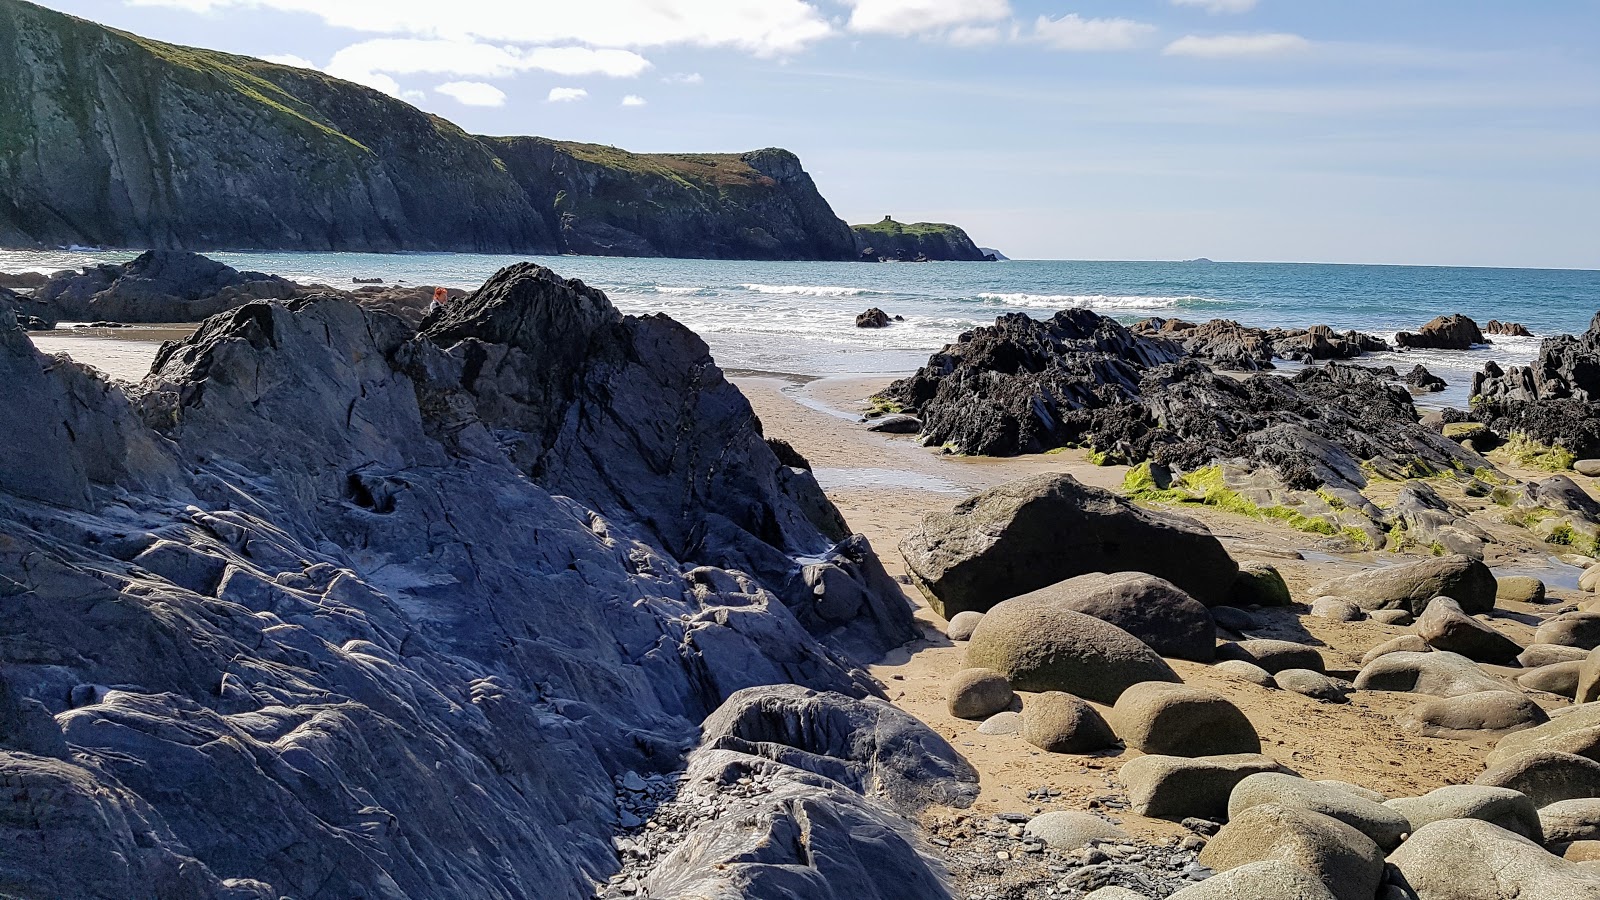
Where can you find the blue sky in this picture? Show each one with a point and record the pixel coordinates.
(1453, 132)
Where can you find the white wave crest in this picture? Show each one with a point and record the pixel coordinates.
(681, 291)
(1091, 301)
(808, 290)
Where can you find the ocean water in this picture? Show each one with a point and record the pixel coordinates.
(799, 317)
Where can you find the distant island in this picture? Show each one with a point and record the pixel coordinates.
(891, 241)
(116, 140)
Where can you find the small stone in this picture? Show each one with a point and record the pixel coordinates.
(633, 782)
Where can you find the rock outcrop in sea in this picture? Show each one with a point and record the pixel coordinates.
(1555, 401)
(891, 241)
(112, 139)
(328, 606)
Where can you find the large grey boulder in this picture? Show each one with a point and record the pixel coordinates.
(1180, 787)
(1536, 655)
(1468, 859)
(1061, 723)
(1573, 629)
(1151, 609)
(1511, 810)
(1411, 585)
(1556, 678)
(1376, 821)
(1468, 716)
(1519, 589)
(1031, 533)
(158, 286)
(1256, 881)
(1438, 674)
(1068, 830)
(1571, 820)
(1272, 655)
(1348, 863)
(1039, 646)
(1446, 627)
(1180, 720)
(1546, 776)
(1576, 731)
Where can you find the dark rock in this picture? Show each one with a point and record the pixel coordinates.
(1226, 344)
(1274, 656)
(890, 241)
(1028, 534)
(1151, 609)
(1455, 332)
(873, 318)
(1509, 329)
(896, 425)
(158, 286)
(1412, 585)
(1419, 379)
(1319, 342)
(1445, 627)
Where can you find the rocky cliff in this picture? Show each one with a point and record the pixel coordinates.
(330, 607)
(891, 241)
(107, 138)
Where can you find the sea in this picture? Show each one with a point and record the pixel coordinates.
(799, 317)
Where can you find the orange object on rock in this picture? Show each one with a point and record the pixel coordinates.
(440, 295)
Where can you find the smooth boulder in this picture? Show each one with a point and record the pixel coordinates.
(1446, 627)
(1536, 655)
(1571, 820)
(1061, 723)
(1337, 609)
(1039, 646)
(977, 693)
(1466, 716)
(1348, 862)
(1246, 671)
(1151, 609)
(1259, 584)
(1180, 787)
(1180, 720)
(1274, 656)
(1573, 629)
(1437, 673)
(1576, 731)
(962, 624)
(1384, 825)
(1546, 776)
(1032, 533)
(1315, 685)
(1511, 810)
(1066, 830)
(1519, 589)
(1410, 586)
(1411, 643)
(1266, 880)
(1556, 678)
(1589, 678)
(1469, 859)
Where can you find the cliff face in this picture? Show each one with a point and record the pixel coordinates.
(107, 138)
(893, 241)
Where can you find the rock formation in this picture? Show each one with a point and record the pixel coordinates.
(1455, 332)
(891, 241)
(158, 286)
(329, 607)
(1555, 401)
(118, 140)
(1225, 344)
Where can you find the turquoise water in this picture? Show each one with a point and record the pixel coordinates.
(799, 317)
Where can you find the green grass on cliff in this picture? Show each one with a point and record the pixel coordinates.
(890, 228)
(695, 171)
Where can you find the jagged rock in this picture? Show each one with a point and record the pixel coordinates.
(1430, 520)
(1028, 534)
(1269, 878)
(158, 286)
(1066, 830)
(1225, 343)
(1509, 329)
(1312, 684)
(1470, 715)
(977, 694)
(1040, 647)
(1519, 589)
(1349, 864)
(1151, 609)
(1177, 787)
(1576, 731)
(1571, 820)
(1370, 817)
(467, 578)
(1456, 332)
(1546, 776)
(873, 318)
(1412, 585)
(1551, 401)
(1179, 720)
(1504, 807)
(1439, 674)
(1468, 859)
(1573, 629)
(1419, 379)
(1319, 342)
(1061, 723)
(1445, 627)
(1274, 656)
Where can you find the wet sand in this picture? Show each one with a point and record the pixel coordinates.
(124, 353)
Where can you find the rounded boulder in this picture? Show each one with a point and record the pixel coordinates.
(1274, 656)
(1180, 720)
(1511, 810)
(1467, 716)
(1384, 825)
(1347, 862)
(977, 693)
(1151, 609)
(1038, 646)
(961, 627)
(1061, 723)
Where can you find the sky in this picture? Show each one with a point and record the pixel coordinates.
(1434, 132)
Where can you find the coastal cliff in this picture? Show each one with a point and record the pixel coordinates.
(891, 241)
(111, 139)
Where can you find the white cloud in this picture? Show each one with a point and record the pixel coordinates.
(908, 17)
(684, 78)
(633, 100)
(289, 59)
(565, 95)
(1073, 32)
(473, 93)
(974, 35)
(406, 56)
(1219, 7)
(1236, 46)
(758, 26)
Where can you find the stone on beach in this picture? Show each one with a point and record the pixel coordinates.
(1556, 678)
(1469, 859)
(1312, 684)
(1259, 584)
(1446, 627)
(1573, 629)
(1409, 643)
(1061, 723)
(1247, 671)
(1179, 787)
(1546, 776)
(1336, 609)
(1383, 825)
(1274, 656)
(962, 625)
(1411, 585)
(1468, 716)
(1437, 673)
(1536, 655)
(1038, 646)
(1032, 533)
(1519, 589)
(1571, 820)
(977, 693)
(1575, 731)
(1066, 830)
(1348, 862)
(1259, 880)
(1509, 809)
(1180, 720)
(1151, 609)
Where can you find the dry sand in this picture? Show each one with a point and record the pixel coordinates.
(885, 485)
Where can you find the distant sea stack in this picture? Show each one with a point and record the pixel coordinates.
(891, 241)
(110, 139)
